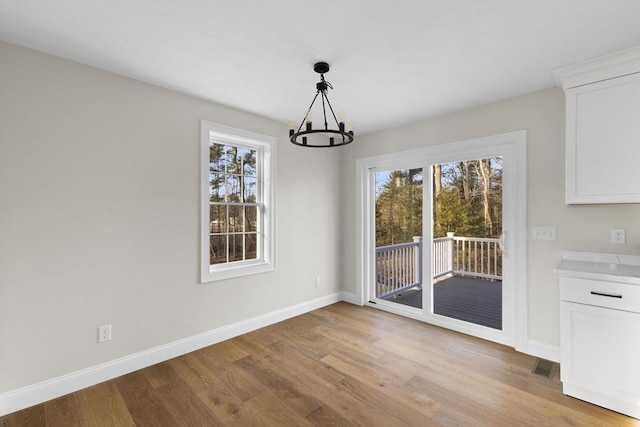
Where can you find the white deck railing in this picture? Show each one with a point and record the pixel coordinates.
(399, 267)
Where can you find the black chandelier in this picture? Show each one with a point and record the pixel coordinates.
(333, 137)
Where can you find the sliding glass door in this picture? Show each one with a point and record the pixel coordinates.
(442, 234)
(398, 236)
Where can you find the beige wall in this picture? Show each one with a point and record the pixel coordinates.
(582, 228)
(99, 205)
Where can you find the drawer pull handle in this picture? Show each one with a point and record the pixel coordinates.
(605, 295)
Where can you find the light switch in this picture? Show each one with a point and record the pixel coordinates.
(544, 233)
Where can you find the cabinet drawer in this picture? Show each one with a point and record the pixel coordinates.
(618, 296)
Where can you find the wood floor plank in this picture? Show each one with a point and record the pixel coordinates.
(33, 417)
(275, 413)
(229, 408)
(144, 407)
(185, 407)
(345, 394)
(284, 389)
(219, 389)
(226, 350)
(228, 378)
(390, 386)
(341, 365)
(193, 372)
(105, 406)
(66, 411)
(325, 415)
(258, 351)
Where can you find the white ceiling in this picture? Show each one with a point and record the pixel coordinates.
(392, 62)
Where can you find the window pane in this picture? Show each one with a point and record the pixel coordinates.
(249, 189)
(217, 219)
(248, 157)
(217, 249)
(235, 247)
(234, 162)
(251, 219)
(236, 219)
(251, 246)
(233, 188)
(216, 157)
(217, 187)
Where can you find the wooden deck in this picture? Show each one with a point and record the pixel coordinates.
(471, 300)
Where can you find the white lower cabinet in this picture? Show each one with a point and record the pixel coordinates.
(600, 343)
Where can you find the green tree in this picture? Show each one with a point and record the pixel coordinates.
(467, 201)
(470, 202)
(399, 207)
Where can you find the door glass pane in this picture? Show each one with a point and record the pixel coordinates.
(467, 257)
(398, 236)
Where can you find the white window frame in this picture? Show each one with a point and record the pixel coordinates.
(265, 146)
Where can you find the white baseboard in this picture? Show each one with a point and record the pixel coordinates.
(351, 298)
(25, 397)
(543, 350)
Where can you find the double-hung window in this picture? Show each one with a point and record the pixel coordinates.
(237, 202)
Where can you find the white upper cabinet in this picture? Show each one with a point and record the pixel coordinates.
(602, 129)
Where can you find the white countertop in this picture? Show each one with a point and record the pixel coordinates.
(597, 266)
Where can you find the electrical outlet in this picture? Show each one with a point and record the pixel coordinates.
(317, 282)
(618, 235)
(104, 333)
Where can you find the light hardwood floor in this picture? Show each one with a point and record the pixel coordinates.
(341, 365)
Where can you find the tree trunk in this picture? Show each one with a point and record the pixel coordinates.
(485, 174)
(466, 185)
(437, 181)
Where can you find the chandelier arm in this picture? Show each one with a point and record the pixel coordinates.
(324, 109)
(308, 111)
(333, 113)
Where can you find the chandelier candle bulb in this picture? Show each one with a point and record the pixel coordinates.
(351, 125)
(307, 118)
(341, 116)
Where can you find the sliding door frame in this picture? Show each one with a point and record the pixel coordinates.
(510, 145)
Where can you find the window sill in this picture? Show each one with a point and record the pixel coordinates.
(230, 272)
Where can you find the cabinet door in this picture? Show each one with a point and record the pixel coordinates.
(603, 142)
(600, 353)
